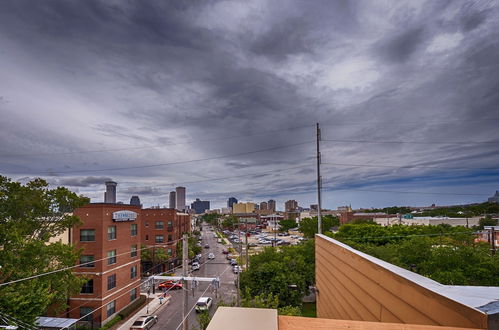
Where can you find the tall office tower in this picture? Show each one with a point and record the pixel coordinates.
(110, 194)
(264, 206)
(135, 200)
(291, 205)
(231, 201)
(172, 200)
(271, 205)
(200, 206)
(180, 198)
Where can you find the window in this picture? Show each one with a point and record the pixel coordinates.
(170, 238)
(170, 251)
(133, 294)
(160, 238)
(133, 229)
(133, 252)
(170, 225)
(87, 235)
(87, 260)
(133, 272)
(111, 282)
(111, 232)
(147, 237)
(111, 257)
(159, 225)
(147, 224)
(88, 287)
(111, 308)
(86, 314)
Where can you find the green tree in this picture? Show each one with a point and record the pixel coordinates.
(230, 222)
(487, 221)
(30, 215)
(308, 226)
(204, 319)
(269, 273)
(285, 225)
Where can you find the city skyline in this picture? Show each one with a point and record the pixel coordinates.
(223, 97)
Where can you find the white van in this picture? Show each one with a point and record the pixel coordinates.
(204, 304)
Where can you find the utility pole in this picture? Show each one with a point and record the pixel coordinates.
(239, 239)
(493, 240)
(319, 183)
(185, 256)
(246, 235)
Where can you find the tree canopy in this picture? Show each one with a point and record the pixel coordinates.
(287, 224)
(274, 271)
(308, 226)
(30, 215)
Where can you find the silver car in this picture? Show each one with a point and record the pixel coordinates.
(144, 322)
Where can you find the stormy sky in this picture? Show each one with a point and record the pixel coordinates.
(223, 97)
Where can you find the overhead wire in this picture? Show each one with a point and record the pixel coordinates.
(177, 162)
(82, 264)
(411, 142)
(158, 145)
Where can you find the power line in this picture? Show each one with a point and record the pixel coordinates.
(155, 146)
(82, 264)
(209, 285)
(413, 166)
(179, 162)
(409, 192)
(223, 178)
(413, 142)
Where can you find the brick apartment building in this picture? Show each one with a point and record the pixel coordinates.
(163, 228)
(110, 232)
(115, 234)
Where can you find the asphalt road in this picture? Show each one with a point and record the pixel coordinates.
(171, 316)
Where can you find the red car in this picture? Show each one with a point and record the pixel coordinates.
(225, 252)
(170, 284)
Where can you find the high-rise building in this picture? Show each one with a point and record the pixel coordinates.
(264, 206)
(200, 206)
(271, 205)
(172, 200)
(243, 207)
(180, 198)
(231, 201)
(291, 205)
(110, 194)
(135, 200)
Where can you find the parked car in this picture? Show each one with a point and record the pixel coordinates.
(237, 269)
(211, 256)
(252, 244)
(204, 304)
(229, 256)
(225, 252)
(195, 266)
(233, 262)
(144, 322)
(206, 246)
(170, 285)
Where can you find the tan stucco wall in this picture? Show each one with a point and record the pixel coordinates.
(352, 287)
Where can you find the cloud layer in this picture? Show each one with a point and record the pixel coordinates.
(89, 86)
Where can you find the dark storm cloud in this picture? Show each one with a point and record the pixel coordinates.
(401, 47)
(87, 76)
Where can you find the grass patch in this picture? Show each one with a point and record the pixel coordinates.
(309, 310)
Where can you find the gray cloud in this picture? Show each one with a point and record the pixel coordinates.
(87, 76)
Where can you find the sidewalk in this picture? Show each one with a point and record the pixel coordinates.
(153, 307)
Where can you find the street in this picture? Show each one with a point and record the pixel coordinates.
(171, 316)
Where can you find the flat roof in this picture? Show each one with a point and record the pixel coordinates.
(244, 319)
(55, 322)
